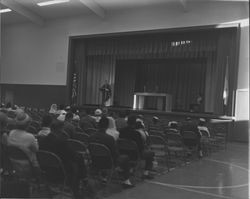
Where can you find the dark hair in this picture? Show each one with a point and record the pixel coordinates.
(139, 125)
(103, 123)
(8, 105)
(132, 120)
(69, 116)
(47, 120)
(122, 114)
(56, 126)
(61, 106)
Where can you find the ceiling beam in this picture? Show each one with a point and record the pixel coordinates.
(184, 5)
(92, 5)
(13, 5)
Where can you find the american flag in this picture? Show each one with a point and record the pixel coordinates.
(74, 89)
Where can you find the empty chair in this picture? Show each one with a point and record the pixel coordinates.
(159, 146)
(52, 169)
(191, 141)
(101, 161)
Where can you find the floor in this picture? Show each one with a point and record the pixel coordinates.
(224, 174)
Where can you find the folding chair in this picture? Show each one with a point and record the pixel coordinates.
(91, 131)
(53, 170)
(80, 148)
(159, 146)
(101, 161)
(82, 137)
(23, 170)
(175, 146)
(206, 142)
(190, 141)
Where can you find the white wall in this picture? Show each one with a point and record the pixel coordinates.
(38, 55)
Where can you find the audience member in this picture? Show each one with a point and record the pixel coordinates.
(189, 125)
(130, 133)
(87, 121)
(173, 127)
(98, 115)
(20, 138)
(202, 126)
(68, 127)
(46, 122)
(74, 164)
(121, 121)
(121, 161)
(53, 109)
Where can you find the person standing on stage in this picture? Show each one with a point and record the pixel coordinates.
(106, 93)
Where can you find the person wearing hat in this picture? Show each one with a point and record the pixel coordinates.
(202, 127)
(20, 138)
(98, 115)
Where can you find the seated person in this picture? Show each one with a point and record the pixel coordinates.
(121, 121)
(86, 120)
(189, 125)
(68, 126)
(98, 115)
(155, 125)
(173, 127)
(46, 122)
(74, 164)
(130, 133)
(121, 161)
(20, 138)
(201, 126)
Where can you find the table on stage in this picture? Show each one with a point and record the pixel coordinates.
(164, 101)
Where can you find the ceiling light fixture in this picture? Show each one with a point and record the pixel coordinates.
(47, 3)
(5, 10)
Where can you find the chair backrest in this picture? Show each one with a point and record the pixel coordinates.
(20, 161)
(204, 133)
(51, 164)
(174, 139)
(82, 137)
(128, 147)
(76, 145)
(100, 156)
(190, 138)
(157, 140)
(91, 131)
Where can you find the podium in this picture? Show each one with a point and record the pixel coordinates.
(164, 101)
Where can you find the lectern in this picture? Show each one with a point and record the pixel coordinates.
(164, 101)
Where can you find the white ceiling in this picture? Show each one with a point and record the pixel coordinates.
(80, 7)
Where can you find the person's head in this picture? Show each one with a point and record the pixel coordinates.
(98, 112)
(61, 107)
(139, 125)
(132, 121)
(155, 119)
(103, 123)
(22, 120)
(202, 122)
(47, 120)
(57, 126)
(188, 119)
(173, 124)
(69, 116)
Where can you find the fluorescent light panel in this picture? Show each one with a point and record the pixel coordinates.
(5, 10)
(47, 3)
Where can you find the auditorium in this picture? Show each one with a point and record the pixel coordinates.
(124, 99)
